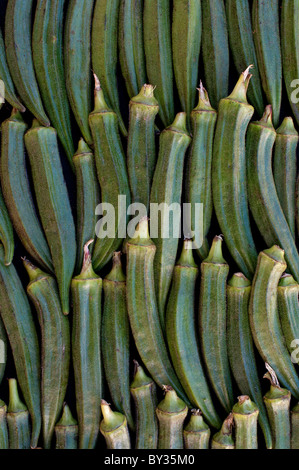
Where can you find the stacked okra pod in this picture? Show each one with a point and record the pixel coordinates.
(140, 326)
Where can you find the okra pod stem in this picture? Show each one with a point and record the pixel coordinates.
(224, 439)
(17, 419)
(196, 433)
(66, 430)
(245, 414)
(295, 427)
(114, 428)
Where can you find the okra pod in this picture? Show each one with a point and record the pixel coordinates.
(196, 432)
(114, 428)
(223, 439)
(6, 233)
(295, 427)
(66, 430)
(288, 308)
(17, 419)
(4, 442)
(245, 414)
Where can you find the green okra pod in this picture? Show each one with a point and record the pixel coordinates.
(215, 49)
(240, 347)
(114, 428)
(181, 337)
(262, 195)
(4, 442)
(284, 169)
(229, 175)
(77, 45)
(53, 204)
(265, 24)
(245, 414)
(186, 41)
(157, 46)
(295, 427)
(264, 319)
(55, 347)
(66, 430)
(10, 93)
(131, 45)
(277, 401)
(17, 419)
(6, 232)
(171, 413)
(223, 439)
(143, 390)
(212, 323)
(166, 190)
(88, 198)
(19, 325)
(86, 334)
(104, 52)
(196, 433)
(116, 339)
(199, 170)
(141, 150)
(18, 17)
(288, 308)
(18, 196)
(112, 176)
(47, 50)
(143, 309)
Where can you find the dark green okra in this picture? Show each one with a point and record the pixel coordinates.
(55, 347)
(4, 442)
(114, 428)
(66, 430)
(223, 439)
(86, 334)
(196, 433)
(88, 198)
(115, 339)
(19, 325)
(6, 232)
(18, 196)
(171, 413)
(143, 390)
(245, 414)
(112, 175)
(288, 308)
(53, 204)
(17, 419)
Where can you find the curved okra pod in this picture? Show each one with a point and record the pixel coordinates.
(66, 430)
(157, 46)
(171, 413)
(10, 93)
(112, 175)
(284, 169)
(197, 432)
(245, 414)
(88, 198)
(143, 309)
(288, 308)
(212, 323)
(17, 419)
(240, 347)
(265, 23)
(77, 61)
(131, 45)
(264, 319)
(47, 50)
(262, 196)
(295, 427)
(186, 40)
(53, 204)
(166, 190)
(115, 339)
(229, 175)
(141, 150)
(114, 428)
(18, 196)
(86, 333)
(6, 232)
(181, 338)
(19, 325)
(199, 170)
(104, 52)
(55, 347)
(18, 18)
(215, 49)
(143, 390)
(277, 401)
(224, 439)
(4, 442)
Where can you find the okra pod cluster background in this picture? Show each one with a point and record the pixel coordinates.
(149, 342)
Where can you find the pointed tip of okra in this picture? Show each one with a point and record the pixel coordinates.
(186, 258)
(227, 425)
(276, 391)
(116, 274)
(82, 147)
(287, 127)
(171, 402)
(215, 254)
(15, 404)
(245, 406)
(146, 96)
(203, 100)
(276, 253)
(196, 422)
(287, 280)
(179, 124)
(140, 377)
(238, 280)
(67, 418)
(111, 419)
(100, 104)
(266, 119)
(239, 93)
(87, 271)
(33, 271)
